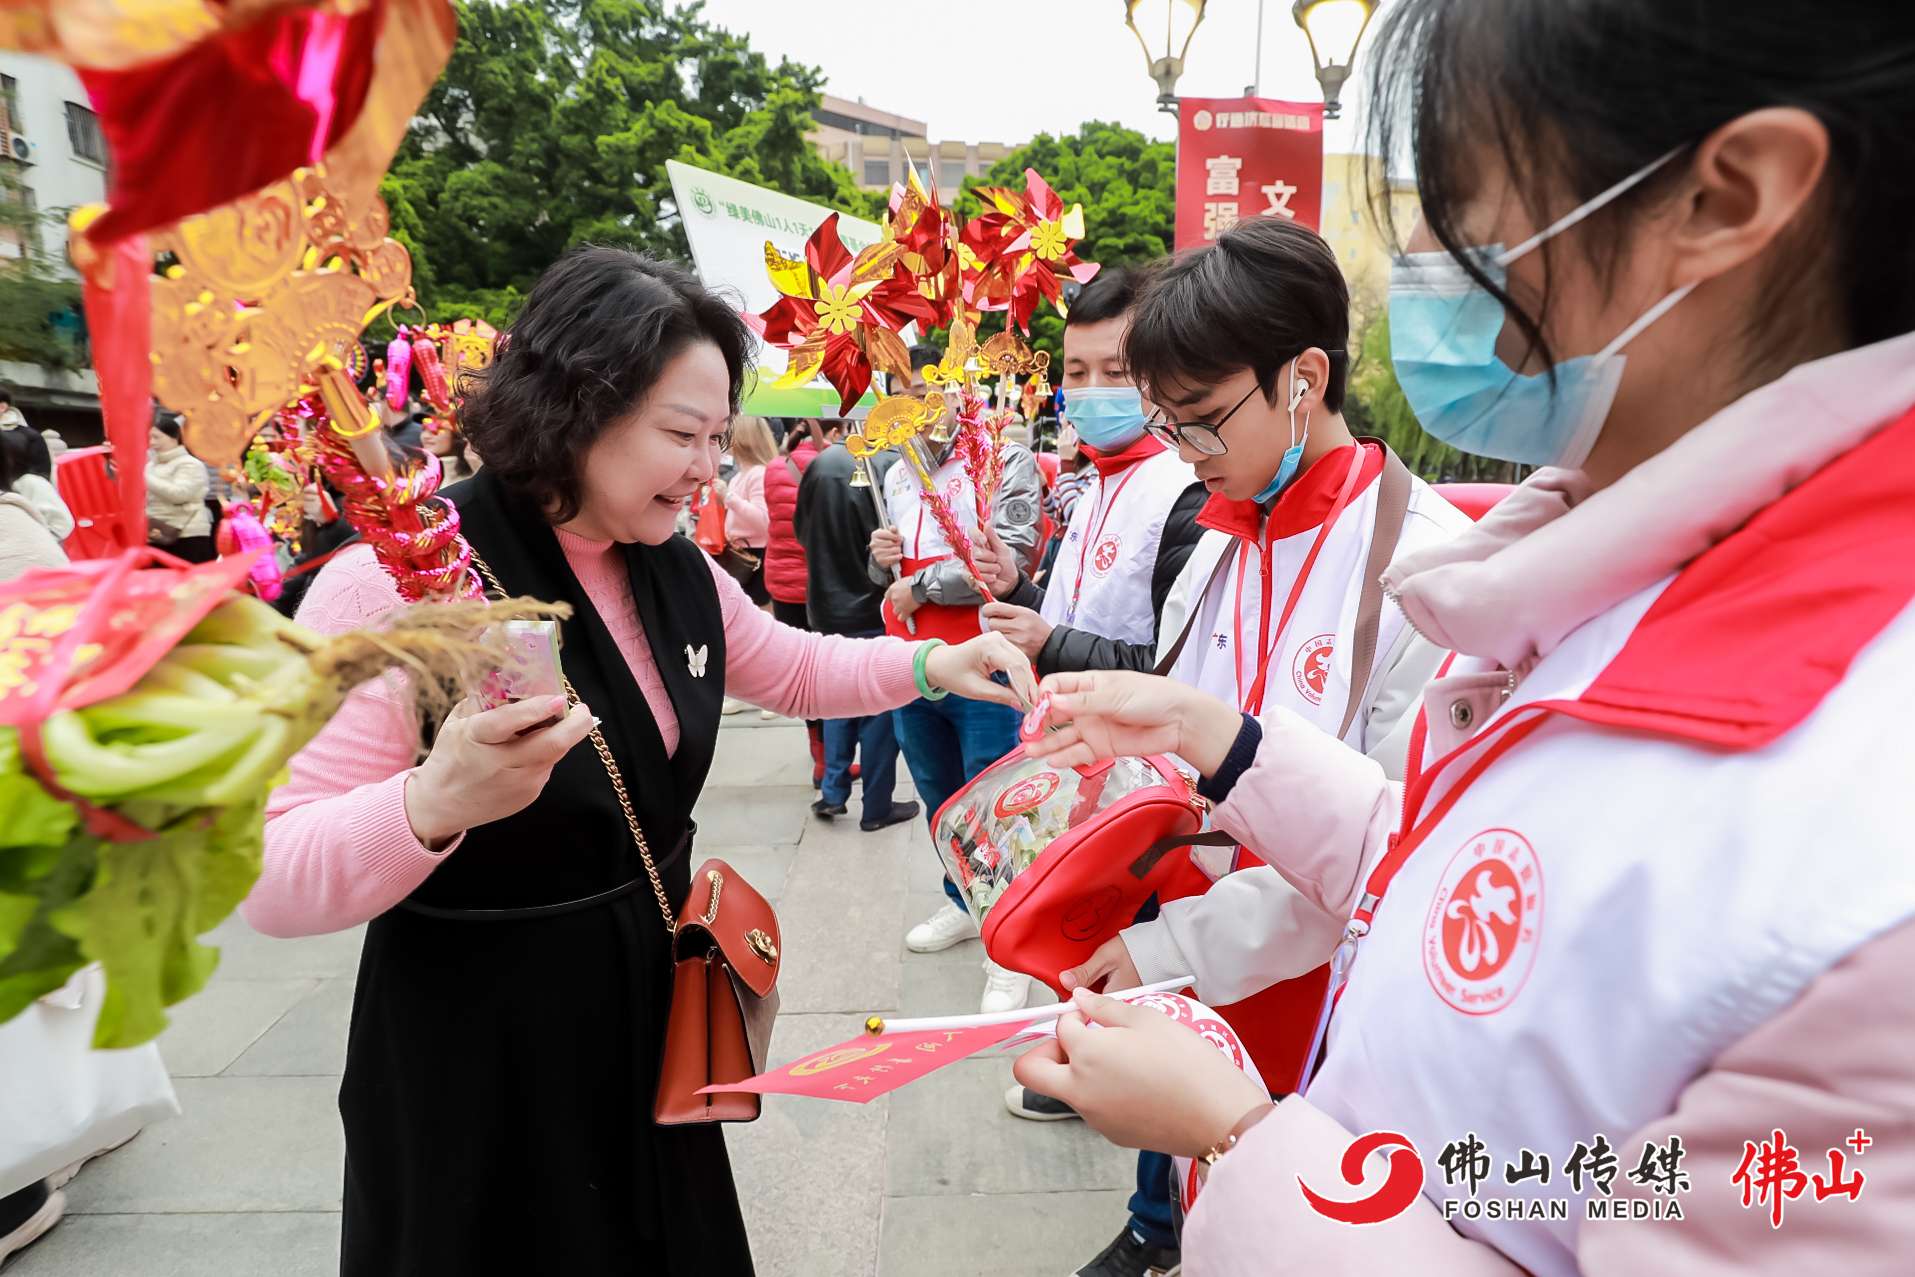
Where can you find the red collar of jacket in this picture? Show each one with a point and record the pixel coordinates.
(1301, 506)
(1755, 632)
(1109, 463)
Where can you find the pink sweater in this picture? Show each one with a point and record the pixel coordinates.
(339, 850)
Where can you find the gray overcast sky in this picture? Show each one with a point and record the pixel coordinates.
(1078, 61)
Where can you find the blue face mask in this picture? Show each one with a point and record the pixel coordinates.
(1293, 455)
(1108, 418)
(1443, 331)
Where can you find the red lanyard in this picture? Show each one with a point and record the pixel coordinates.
(1101, 513)
(1413, 828)
(1252, 702)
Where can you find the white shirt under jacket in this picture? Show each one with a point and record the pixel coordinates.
(1216, 937)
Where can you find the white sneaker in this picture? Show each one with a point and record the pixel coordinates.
(948, 926)
(1004, 989)
(37, 1225)
(769, 713)
(733, 705)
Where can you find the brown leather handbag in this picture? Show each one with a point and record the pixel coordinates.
(724, 981)
(724, 999)
(725, 955)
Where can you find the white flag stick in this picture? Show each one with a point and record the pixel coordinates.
(925, 1024)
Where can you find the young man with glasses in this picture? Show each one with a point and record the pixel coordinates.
(1242, 349)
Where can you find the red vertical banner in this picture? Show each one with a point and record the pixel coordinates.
(119, 320)
(1239, 158)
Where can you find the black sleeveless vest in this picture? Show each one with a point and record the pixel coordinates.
(572, 842)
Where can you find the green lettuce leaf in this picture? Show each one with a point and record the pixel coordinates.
(149, 904)
(29, 815)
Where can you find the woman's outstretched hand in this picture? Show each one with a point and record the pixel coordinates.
(965, 670)
(486, 765)
(1139, 1078)
(1108, 713)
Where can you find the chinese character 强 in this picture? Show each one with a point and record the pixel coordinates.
(1221, 174)
(1219, 216)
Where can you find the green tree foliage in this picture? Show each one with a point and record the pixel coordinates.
(1376, 407)
(551, 127)
(39, 311)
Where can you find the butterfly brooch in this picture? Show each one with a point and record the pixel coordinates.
(695, 659)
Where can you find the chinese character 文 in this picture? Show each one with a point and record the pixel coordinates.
(1465, 1158)
(1598, 1161)
(1219, 216)
(1535, 1166)
(1279, 193)
(1660, 1169)
(1221, 174)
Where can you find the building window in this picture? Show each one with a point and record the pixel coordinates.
(10, 102)
(877, 172)
(83, 133)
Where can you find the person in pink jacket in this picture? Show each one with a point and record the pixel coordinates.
(513, 988)
(1622, 967)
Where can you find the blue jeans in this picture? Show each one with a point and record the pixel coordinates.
(947, 742)
(873, 739)
(1150, 1205)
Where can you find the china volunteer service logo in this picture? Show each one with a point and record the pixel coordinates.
(1025, 795)
(1479, 940)
(1104, 557)
(1311, 669)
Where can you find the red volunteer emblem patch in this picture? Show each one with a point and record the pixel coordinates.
(1480, 938)
(1104, 557)
(1311, 669)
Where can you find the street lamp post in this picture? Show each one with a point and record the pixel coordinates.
(1166, 68)
(1334, 29)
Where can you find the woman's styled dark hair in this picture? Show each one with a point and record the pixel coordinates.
(167, 424)
(1576, 95)
(1264, 293)
(596, 332)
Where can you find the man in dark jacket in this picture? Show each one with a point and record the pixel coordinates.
(834, 522)
(785, 556)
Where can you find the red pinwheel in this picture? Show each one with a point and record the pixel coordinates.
(1014, 253)
(840, 315)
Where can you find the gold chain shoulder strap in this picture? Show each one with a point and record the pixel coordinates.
(611, 770)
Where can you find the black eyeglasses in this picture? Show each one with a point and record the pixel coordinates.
(1202, 436)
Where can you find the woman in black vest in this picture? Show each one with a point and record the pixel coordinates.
(515, 979)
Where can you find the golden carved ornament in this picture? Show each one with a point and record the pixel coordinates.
(261, 294)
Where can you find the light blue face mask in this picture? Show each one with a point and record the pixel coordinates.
(1443, 330)
(1293, 455)
(1108, 418)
